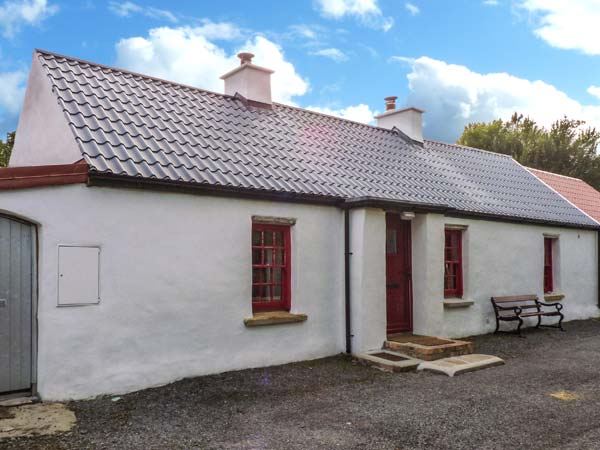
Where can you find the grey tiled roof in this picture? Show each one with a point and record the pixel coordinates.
(130, 124)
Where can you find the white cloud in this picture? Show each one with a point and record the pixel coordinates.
(413, 9)
(594, 91)
(12, 91)
(490, 2)
(127, 8)
(358, 113)
(367, 11)
(218, 30)
(334, 54)
(572, 25)
(14, 14)
(453, 96)
(304, 31)
(187, 55)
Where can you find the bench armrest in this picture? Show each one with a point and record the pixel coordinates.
(558, 306)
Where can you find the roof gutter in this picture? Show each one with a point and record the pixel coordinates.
(518, 220)
(125, 181)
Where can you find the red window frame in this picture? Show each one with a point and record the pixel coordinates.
(271, 267)
(548, 265)
(453, 273)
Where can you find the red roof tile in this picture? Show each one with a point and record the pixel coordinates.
(575, 190)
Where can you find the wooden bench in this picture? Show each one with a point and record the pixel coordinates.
(518, 307)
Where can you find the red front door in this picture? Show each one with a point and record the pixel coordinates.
(398, 274)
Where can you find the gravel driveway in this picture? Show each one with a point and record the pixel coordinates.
(333, 404)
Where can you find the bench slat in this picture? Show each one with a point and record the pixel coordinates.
(515, 298)
(548, 313)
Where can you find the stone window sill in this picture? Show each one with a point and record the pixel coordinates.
(553, 297)
(260, 319)
(457, 303)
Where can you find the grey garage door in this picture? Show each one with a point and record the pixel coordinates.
(16, 298)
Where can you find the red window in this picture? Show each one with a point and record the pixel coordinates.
(453, 283)
(270, 267)
(548, 280)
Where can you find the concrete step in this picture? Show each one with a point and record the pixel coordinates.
(388, 361)
(428, 348)
(457, 365)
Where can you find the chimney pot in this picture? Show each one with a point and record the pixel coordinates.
(245, 58)
(390, 103)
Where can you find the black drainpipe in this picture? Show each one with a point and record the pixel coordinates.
(598, 258)
(347, 278)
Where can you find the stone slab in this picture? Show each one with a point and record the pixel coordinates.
(273, 318)
(446, 348)
(36, 419)
(372, 358)
(457, 365)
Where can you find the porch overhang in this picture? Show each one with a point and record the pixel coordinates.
(395, 205)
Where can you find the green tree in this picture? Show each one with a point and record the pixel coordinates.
(6, 148)
(567, 147)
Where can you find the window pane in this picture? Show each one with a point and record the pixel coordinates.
(452, 239)
(391, 246)
(268, 238)
(277, 275)
(547, 252)
(261, 275)
(256, 256)
(279, 239)
(267, 294)
(452, 254)
(268, 253)
(279, 256)
(256, 236)
(257, 293)
(276, 293)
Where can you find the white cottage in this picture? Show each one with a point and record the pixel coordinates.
(152, 231)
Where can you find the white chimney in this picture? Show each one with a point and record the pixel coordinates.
(408, 120)
(250, 81)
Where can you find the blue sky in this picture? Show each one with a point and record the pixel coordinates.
(460, 60)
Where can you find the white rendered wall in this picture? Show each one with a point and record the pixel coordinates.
(367, 279)
(175, 286)
(498, 259)
(43, 135)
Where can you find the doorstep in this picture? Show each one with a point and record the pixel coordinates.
(457, 365)
(388, 361)
(428, 348)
